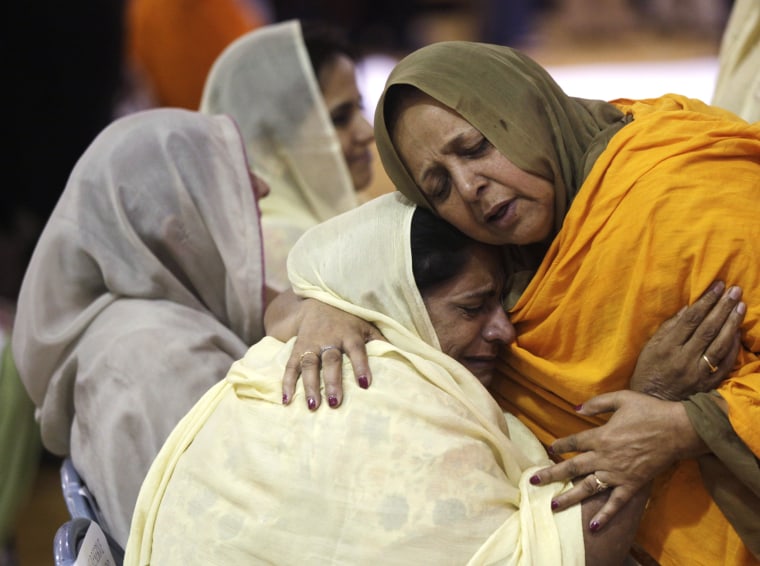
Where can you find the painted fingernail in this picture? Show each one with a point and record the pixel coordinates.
(735, 293)
(332, 400)
(535, 480)
(284, 398)
(312, 403)
(363, 382)
(594, 526)
(578, 407)
(555, 505)
(550, 450)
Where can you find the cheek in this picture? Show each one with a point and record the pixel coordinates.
(344, 138)
(545, 213)
(457, 338)
(457, 213)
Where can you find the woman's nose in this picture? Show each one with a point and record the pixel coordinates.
(468, 183)
(364, 132)
(499, 328)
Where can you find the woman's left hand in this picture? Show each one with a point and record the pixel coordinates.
(643, 437)
(678, 360)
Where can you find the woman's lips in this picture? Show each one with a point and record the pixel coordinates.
(361, 158)
(481, 362)
(503, 214)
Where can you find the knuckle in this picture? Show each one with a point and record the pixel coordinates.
(708, 334)
(589, 486)
(692, 316)
(309, 362)
(332, 356)
(572, 468)
(354, 343)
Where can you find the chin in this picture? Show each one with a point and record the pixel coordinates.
(485, 379)
(361, 179)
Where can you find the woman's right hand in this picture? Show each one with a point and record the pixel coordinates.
(324, 334)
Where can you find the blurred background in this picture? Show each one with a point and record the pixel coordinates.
(72, 67)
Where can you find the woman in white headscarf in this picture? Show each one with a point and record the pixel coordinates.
(293, 93)
(145, 285)
(422, 469)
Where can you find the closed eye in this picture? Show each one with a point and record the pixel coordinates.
(478, 149)
(472, 310)
(441, 188)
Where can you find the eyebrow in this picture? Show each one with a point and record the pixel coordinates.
(447, 148)
(480, 293)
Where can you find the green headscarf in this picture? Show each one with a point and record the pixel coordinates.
(515, 103)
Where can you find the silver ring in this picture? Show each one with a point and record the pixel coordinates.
(713, 368)
(324, 349)
(600, 485)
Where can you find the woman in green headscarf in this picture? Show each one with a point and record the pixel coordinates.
(604, 209)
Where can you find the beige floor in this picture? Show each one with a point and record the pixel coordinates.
(556, 40)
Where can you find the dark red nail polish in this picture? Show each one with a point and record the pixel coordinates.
(312, 403)
(284, 399)
(594, 526)
(535, 480)
(332, 400)
(550, 450)
(578, 407)
(363, 382)
(555, 505)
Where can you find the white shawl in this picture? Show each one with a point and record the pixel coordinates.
(145, 285)
(265, 81)
(419, 469)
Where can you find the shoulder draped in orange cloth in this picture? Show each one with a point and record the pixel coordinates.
(656, 221)
(173, 43)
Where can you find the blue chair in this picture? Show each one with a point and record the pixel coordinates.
(69, 540)
(85, 517)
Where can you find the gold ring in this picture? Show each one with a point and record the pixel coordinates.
(324, 349)
(712, 367)
(600, 485)
(306, 353)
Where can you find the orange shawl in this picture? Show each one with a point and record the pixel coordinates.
(669, 206)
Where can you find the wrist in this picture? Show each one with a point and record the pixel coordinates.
(688, 444)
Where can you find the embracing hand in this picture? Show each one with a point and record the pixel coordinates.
(693, 351)
(643, 438)
(324, 335)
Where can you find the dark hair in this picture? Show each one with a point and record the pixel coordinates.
(439, 251)
(325, 42)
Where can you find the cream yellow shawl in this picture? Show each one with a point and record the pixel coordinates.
(265, 81)
(420, 469)
(737, 87)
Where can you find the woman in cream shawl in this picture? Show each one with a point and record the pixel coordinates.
(737, 86)
(144, 287)
(314, 161)
(643, 204)
(422, 469)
